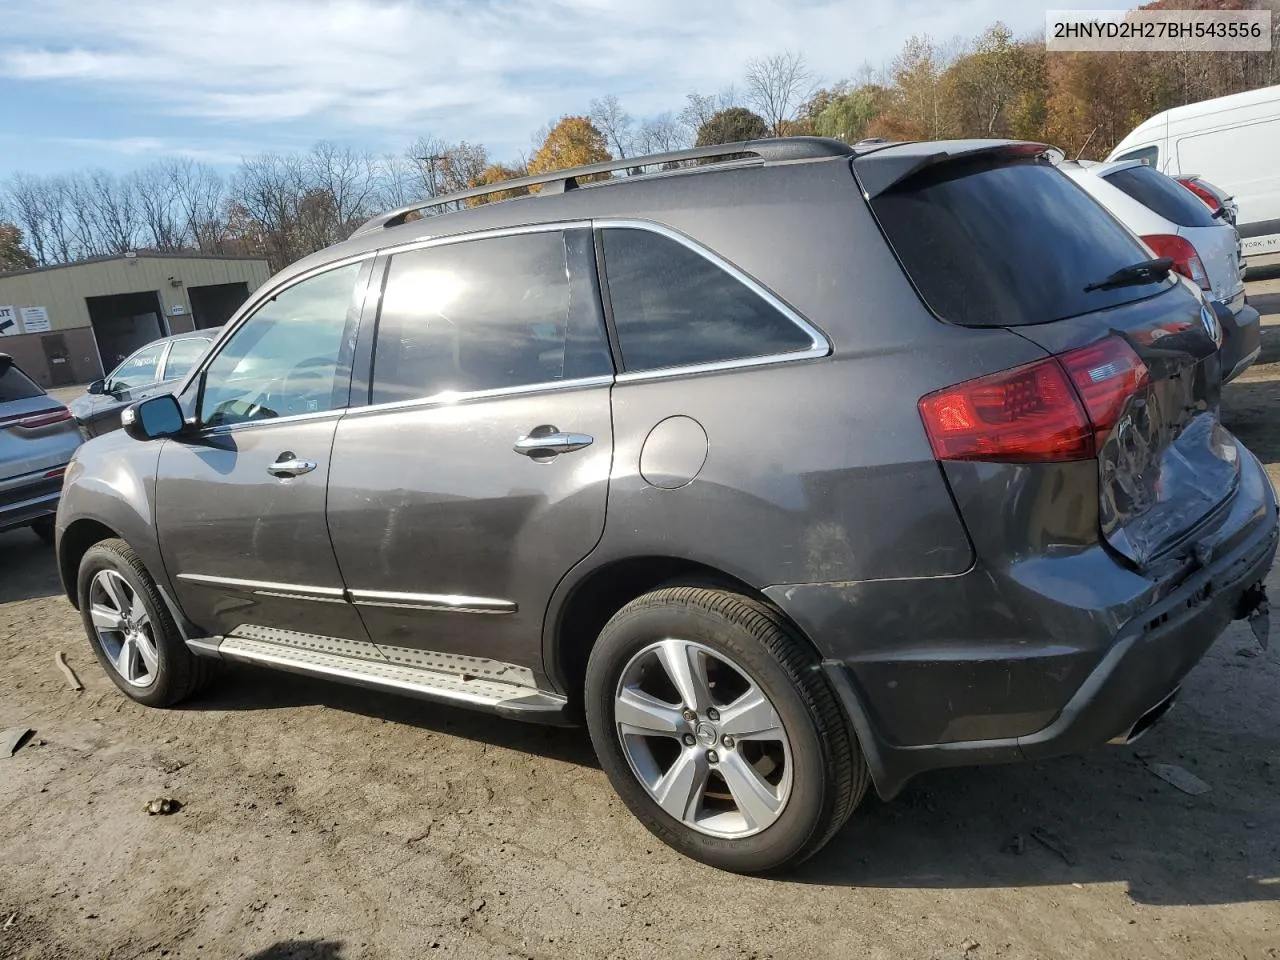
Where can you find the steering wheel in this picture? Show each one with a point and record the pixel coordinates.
(306, 384)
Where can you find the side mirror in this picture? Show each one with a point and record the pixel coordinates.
(153, 418)
(97, 388)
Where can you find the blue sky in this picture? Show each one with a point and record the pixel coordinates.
(118, 83)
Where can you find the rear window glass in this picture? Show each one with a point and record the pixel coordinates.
(1149, 154)
(1163, 195)
(16, 385)
(1007, 244)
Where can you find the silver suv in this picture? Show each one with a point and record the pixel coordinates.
(791, 474)
(37, 438)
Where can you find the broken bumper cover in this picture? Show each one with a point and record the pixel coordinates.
(988, 701)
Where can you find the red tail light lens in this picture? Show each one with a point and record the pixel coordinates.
(44, 418)
(1192, 184)
(1185, 259)
(1057, 409)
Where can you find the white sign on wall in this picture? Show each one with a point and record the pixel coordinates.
(8, 322)
(35, 319)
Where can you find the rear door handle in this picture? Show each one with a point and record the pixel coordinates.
(550, 442)
(288, 465)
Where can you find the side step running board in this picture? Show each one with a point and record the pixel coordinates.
(361, 664)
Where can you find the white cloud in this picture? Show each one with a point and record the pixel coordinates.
(488, 70)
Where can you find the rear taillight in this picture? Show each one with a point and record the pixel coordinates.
(1192, 184)
(44, 418)
(1185, 259)
(1057, 409)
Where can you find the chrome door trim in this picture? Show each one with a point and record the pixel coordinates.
(820, 345)
(449, 397)
(441, 602)
(266, 588)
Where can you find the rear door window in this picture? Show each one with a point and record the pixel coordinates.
(492, 314)
(1163, 195)
(673, 307)
(993, 243)
(183, 355)
(16, 385)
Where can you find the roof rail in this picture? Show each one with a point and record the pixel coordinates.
(773, 150)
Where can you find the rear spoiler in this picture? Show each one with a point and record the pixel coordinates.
(881, 170)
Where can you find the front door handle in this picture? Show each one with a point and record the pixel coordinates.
(545, 442)
(288, 465)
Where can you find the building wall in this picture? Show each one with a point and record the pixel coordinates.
(62, 292)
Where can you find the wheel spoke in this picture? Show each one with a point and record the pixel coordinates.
(115, 589)
(686, 666)
(105, 618)
(147, 651)
(680, 790)
(638, 712)
(125, 659)
(138, 610)
(751, 717)
(755, 796)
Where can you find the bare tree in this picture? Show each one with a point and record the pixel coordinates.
(427, 154)
(28, 208)
(161, 221)
(615, 123)
(661, 134)
(350, 179)
(200, 197)
(777, 86)
(699, 108)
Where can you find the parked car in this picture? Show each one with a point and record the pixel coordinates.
(1203, 248)
(1219, 202)
(1234, 141)
(155, 368)
(37, 438)
(846, 464)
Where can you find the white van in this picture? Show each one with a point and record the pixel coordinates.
(1233, 142)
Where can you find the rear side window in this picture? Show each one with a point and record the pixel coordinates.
(1163, 195)
(673, 307)
(16, 385)
(490, 314)
(139, 369)
(183, 355)
(1007, 244)
(1150, 154)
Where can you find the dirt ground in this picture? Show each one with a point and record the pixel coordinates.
(320, 821)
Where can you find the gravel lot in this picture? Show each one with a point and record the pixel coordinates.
(321, 821)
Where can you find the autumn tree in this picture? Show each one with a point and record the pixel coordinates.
(496, 173)
(730, 126)
(847, 116)
(13, 254)
(572, 142)
(917, 76)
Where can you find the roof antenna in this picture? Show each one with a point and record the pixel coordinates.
(1086, 143)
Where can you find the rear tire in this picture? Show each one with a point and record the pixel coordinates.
(763, 800)
(131, 630)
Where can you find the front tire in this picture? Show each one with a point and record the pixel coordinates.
(718, 732)
(131, 630)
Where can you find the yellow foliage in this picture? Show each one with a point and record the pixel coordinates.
(573, 142)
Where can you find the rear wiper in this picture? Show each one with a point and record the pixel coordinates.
(1147, 271)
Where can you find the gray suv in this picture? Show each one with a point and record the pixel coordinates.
(793, 474)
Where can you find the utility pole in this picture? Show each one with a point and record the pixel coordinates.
(433, 185)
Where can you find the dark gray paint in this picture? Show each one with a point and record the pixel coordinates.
(964, 614)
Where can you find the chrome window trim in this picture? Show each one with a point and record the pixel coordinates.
(449, 603)
(448, 398)
(821, 346)
(267, 587)
(422, 243)
(224, 428)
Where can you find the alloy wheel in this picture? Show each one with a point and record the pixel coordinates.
(123, 628)
(703, 739)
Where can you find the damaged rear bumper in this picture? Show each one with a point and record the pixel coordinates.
(999, 699)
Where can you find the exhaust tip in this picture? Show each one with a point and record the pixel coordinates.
(1147, 720)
